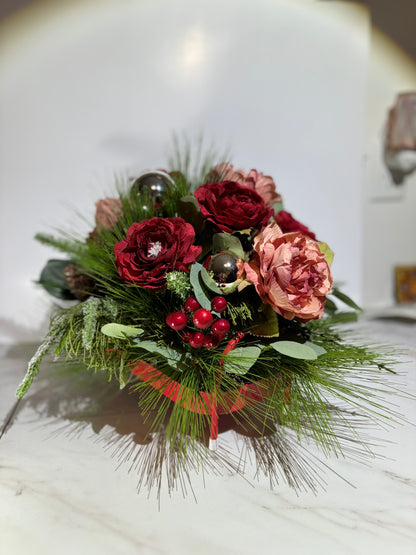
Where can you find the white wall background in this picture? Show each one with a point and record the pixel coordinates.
(389, 210)
(91, 88)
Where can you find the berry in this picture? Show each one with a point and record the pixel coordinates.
(186, 336)
(211, 341)
(191, 304)
(218, 304)
(203, 318)
(221, 327)
(197, 340)
(176, 320)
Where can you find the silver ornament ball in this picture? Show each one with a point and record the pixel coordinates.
(223, 267)
(154, 183)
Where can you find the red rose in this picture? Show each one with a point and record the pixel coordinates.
(287, 224)
(232, 207)
(153, 248)
(262, 184)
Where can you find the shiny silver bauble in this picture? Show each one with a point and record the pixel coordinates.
(154, 185)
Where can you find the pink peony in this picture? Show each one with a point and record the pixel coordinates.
(262, 184)
(107, 213)
(290, 273)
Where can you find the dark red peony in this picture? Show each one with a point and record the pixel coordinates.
(232, 207)
(153, 248)
(287, 224)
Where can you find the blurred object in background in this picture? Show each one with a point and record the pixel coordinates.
(400, 146)
(405, 284)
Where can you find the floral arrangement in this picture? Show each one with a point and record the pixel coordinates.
(204, 297)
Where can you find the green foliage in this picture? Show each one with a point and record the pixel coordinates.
(55, 332)
(208, 281)
(225, 242)
(344, 298)
(53, 280)
(193, 159)
(179, 283)
(90, 313)
(329, 254)
(265, 323)
(293, 349)
(241, 359)
(120, 331)
(188, 209)
(239, 313)
(198, 287)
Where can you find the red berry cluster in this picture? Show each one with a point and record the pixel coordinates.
(202, 319)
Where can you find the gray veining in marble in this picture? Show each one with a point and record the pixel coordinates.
(62, 490)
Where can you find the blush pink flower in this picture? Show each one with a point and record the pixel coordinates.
(290, 273)
(107, 213)
(262, 184)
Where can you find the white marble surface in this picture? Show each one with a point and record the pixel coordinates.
(61, 491)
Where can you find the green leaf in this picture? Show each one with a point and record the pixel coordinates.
(188, 209)
(209, 282)
(199, 292)
(241, 359)
(317, 348)
(154, 347)
(327, 252)
(124, 373)
(225, 242)
(330, 306)
(53, 280)
(265, 323)
(190, 199)
(345, 299)
(120, 331)
(227, 288)
(294, 350)
(175, 357)
(278, 207)
(343, 317)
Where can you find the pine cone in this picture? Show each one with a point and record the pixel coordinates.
(80, 285)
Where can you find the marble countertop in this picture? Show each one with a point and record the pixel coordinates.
(68, 480)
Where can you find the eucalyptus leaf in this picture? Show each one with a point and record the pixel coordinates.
(209, 282)
(199, 292)
(327, 252)
(294, 350)
(225, 242)
(120, 331)
(227, 288)
(175, 357)
(241, 359)
(317, 348)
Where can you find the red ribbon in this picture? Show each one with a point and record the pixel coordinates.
(205, 402)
